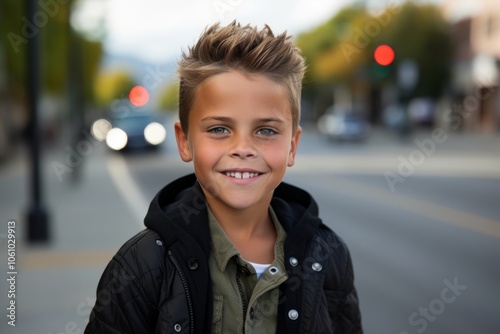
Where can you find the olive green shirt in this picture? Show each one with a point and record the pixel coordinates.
(243, 303)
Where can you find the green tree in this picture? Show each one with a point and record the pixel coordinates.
(112, 85)
(328, 63)
(321, 47)
(169, 98)
(14, 47)
(340, 51)
(51, 26)
(420, 33)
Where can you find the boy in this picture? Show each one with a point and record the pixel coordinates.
(232, 249)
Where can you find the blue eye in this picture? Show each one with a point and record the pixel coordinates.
(218, 130)
(267, 132)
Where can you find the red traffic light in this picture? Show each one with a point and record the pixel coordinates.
(384, 55)
(138, 96)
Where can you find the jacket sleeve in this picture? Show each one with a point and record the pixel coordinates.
(348, 315)
(120, 306)
(340, 292)
(128, 291)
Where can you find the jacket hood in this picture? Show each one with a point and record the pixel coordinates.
(178, 211)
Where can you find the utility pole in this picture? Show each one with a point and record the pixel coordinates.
(38, 229)
(76, 92)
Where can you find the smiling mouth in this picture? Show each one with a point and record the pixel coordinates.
(242, 175)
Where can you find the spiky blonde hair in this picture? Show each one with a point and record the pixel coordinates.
(246, 49)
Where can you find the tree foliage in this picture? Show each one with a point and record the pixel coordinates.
(169, 98)
(51, 25)
(420, 33)
(113, 85)
(321, 47)
(341, 49)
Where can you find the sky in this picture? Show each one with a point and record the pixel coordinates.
(157, 31)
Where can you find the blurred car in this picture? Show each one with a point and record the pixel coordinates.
(344, 126)
(396, 119)
(422, 111)
(139, 130)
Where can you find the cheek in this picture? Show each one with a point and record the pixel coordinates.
(205, 154)
(277, 154)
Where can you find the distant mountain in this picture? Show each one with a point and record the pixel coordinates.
(151, 75)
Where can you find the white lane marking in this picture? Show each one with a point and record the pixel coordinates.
(120, 174)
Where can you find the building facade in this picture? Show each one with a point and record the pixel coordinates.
(475, 89)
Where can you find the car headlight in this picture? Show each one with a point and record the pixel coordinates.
(116, 139)
(334, 126)
(100, 129)
(155, 133)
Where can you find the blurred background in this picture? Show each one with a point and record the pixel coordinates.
(401, 146)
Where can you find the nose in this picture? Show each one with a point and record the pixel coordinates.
(242, 147)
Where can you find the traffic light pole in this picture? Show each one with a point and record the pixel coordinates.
(38, 230)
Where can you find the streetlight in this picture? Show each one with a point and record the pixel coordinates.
(38, 225)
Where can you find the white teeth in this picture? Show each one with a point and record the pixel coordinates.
(244, 175)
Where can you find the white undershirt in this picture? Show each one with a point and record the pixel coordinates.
(259, 268)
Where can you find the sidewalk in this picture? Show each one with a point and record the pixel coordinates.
(56, 283)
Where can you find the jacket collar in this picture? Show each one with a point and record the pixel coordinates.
(178, 212)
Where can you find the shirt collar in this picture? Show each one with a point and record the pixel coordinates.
(223, 249)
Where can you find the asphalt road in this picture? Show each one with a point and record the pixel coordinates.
(426, 251)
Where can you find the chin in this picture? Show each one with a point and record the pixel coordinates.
(238, 202)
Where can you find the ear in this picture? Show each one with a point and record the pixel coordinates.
(182, 143)
(293, 146)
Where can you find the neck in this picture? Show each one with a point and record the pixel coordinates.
(242, 223)
(251, 230)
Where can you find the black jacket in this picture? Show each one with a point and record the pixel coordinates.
(159, 281)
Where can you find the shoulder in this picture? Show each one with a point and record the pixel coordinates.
(137, 269)
(144, 249)
(336, 256)
(141, 258)
(331, 243)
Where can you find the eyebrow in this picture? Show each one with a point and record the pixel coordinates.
(230, 120)
(219, 119)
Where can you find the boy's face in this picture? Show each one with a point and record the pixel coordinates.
(240, 139)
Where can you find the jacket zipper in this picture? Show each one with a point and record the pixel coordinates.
(186, 290)
(243, 298)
